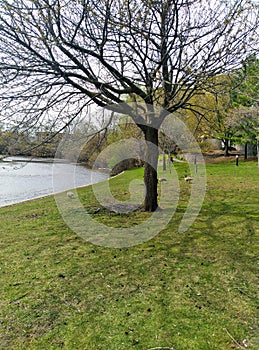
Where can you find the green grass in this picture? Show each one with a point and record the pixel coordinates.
(195, 290)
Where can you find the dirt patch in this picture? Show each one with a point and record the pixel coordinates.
(218, 157)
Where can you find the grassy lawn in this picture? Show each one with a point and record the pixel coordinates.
(194, 290)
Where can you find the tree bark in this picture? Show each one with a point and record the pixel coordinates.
(226, 147)
(150, 169)
(258, 152)
(246, 150)
(164, 162)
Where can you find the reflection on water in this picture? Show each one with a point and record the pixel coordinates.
(22, 179)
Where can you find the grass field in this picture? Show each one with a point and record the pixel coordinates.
(194, 290)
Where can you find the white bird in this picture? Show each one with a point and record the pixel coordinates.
(162, 179)
(188, 178)
(70, 194)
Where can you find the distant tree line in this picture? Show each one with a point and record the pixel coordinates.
(37, 144)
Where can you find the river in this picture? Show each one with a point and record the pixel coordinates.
(24, 178)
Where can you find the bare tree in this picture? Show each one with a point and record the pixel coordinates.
(58, 56)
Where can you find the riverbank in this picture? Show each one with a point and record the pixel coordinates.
(194, 290)
(22, 179)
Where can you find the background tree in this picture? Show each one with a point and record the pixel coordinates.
(246, 124)
(14, 142)
(58, 56)
(168, 146)
(213, 117)
(246, 83)
(230, 112)
(245, 99)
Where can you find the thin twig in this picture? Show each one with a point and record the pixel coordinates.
(234, 340)
(19, 298)
(245, 293)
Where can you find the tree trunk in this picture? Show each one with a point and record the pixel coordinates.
(150, 169)
(226, 147)
(258, 152)
(164, 162)
(246, 150)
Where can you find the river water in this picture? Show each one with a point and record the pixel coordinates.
(22, 178)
